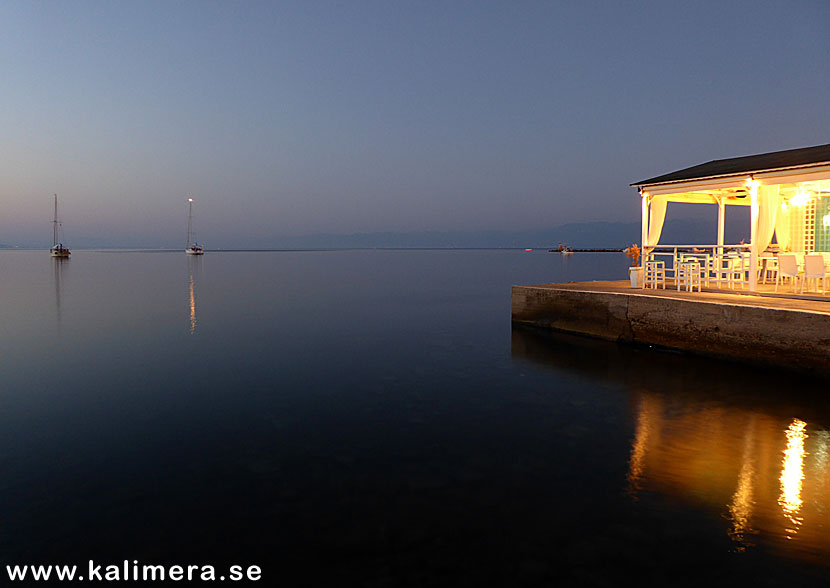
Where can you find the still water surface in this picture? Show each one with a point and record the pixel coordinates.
(371, 418)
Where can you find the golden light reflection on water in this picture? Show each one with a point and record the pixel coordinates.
(192, 307)
(726, 443)
(818, 471)
(645, 433)
(194, 268)
(740, 509)
(792, 475)
(766, 476)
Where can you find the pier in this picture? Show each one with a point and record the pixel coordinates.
(780, 329)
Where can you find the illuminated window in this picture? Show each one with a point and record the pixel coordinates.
(823, 224)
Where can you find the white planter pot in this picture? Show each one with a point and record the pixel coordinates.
(635, 274)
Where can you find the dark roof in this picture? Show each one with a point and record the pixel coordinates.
(745, 165)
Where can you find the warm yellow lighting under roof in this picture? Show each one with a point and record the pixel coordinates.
(800, 199)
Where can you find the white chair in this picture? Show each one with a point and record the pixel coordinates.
(655, 273)
(768, 269)
(707, 267)
(731, 270)
(688, 275)
(814, 270)
(787, 268)
(706, 263)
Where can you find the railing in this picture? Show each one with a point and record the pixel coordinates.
(719, 264)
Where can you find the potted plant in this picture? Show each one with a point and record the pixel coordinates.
(635, 272)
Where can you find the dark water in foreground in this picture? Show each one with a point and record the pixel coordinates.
(370, 418)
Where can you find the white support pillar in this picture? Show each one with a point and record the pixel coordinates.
(753, 232)
(644, 228)
(719, 249)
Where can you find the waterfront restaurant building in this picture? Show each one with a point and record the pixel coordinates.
(788, 193)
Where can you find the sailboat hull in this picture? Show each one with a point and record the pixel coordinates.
(59, 252)
(194, 251)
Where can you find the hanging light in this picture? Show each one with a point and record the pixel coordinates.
(800, 199)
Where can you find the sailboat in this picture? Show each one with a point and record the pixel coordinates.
(57, 250)
(564, 250)
(192, 248)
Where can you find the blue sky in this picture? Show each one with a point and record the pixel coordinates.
(290, 118)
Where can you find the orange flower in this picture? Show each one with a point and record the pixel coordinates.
(633, 252)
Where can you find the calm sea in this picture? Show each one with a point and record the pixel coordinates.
(371, 418)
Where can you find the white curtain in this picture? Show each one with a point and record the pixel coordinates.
(767, 214)
(657, 214)
(782, 225)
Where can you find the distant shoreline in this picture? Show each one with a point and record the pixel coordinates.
(308, 249)
(587, 250)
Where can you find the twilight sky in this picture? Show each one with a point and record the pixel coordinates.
(295, 117)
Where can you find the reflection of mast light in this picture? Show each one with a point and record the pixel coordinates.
(792, 474)
(192, 307)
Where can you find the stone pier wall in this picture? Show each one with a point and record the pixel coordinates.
(777, 336)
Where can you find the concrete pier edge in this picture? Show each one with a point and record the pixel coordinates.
(788, 337)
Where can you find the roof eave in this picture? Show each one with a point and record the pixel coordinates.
(646, 183)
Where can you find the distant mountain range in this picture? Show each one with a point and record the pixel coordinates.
(593, 235)
(586, 235)
(578, 235)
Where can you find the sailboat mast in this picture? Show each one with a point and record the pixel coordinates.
(190, 221)
(55, 224)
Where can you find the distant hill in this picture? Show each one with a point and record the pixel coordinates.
(600, 235)
(575, 235)
(586, 235)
